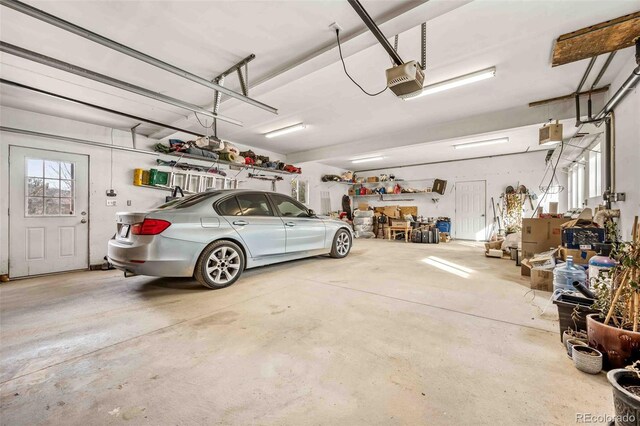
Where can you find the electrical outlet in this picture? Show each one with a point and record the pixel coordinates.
(111, 203)
(128, 202)
(335, 26)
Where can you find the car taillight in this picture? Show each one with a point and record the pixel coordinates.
(150, 227)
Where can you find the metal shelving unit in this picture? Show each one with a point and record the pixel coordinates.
(236, 166)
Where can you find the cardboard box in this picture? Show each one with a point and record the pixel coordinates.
(542, 279)
(391, 211)
(540, 235)
(544, 260)
(580, 257)
(412, 210)
(525, 268)
(372, 179)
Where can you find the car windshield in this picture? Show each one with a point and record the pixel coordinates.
(191, 200)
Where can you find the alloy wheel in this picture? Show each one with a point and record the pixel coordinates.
(342, 244)
(223, 265)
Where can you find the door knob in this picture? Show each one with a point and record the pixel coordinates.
(83, 220)
(240, 222)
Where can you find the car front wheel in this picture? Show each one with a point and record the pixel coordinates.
(341, 244)
(219, 265)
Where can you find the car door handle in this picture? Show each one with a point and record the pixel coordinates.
(289, 224)
(240, 222)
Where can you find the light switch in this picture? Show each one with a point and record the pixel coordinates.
(111, 203)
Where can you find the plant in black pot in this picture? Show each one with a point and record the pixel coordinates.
(626, 394)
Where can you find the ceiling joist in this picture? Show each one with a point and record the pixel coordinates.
(595, 40)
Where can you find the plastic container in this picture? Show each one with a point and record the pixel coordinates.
(443, 226)
(601, 264)
(566, 274)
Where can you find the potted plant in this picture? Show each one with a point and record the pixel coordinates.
(572, 315)
(614, 331)
(587, 359)
(626, 393)
(574, 342)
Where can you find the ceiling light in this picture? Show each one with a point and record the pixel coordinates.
(480, 143)
(456, 82)
(285, 130)
(364, 160)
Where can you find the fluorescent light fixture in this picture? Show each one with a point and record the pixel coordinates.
(365, 160)
(285, 130)
(456, 82)
(480, 143)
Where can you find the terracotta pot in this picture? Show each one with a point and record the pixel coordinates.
(619, 347)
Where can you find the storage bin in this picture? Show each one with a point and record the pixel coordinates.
(443, 226)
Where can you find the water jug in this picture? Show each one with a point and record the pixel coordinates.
(566, 274)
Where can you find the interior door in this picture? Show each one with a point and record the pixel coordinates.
(253, 218)
(470, 220)
(48, 211)
(304, 233)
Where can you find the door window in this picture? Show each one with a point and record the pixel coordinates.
(254, 205)
(50, 188)
(288, 207)
(229, 207)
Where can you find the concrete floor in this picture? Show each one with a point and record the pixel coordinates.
(385, 336)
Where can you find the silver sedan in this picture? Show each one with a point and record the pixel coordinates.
(214, 236)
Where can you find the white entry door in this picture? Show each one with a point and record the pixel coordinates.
(470, 222)
(48, 211)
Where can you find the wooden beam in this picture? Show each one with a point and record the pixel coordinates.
(569, 96)
(597, 39)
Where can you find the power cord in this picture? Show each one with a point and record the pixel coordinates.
(553, 175)
(205, 126)
(344, 66)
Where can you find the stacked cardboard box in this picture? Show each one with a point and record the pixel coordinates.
(540, 235)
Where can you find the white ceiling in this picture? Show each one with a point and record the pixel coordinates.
(207, 37)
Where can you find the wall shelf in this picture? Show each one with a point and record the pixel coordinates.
(236, 166)
(393, 182)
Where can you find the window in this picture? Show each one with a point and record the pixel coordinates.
(288, 207)
(595, 171)
(300, 190)
(229, 207)
(50, 188)
(576, 185)
(254, 205)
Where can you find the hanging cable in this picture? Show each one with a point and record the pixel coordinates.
(203, 125)
(344, 66)
(111, 153)
(553, 176)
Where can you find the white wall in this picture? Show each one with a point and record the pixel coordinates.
(101, 217)
(498, 172)
(313, 172)
(627, 132)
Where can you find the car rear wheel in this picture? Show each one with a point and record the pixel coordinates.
(341, 244)
(219, 265)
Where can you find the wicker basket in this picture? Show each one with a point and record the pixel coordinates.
(587, 359)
